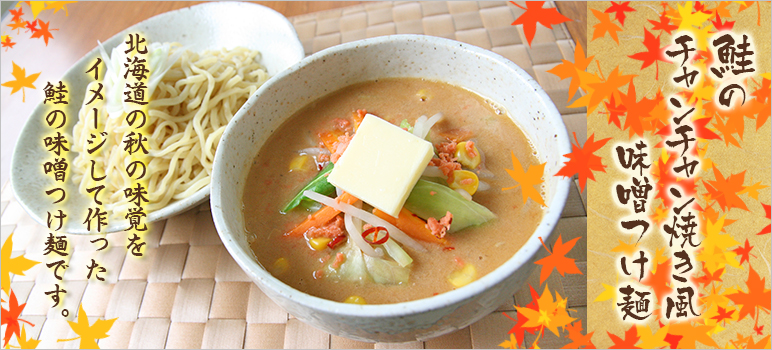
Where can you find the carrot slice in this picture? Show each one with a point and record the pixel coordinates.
(321, 216)
(412, 225)
(330, 138)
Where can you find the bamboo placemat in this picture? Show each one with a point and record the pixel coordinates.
(187, 292)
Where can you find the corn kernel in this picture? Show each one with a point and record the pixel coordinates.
(355, 299)
(465, 159)
(319, 243)
(299, 163)
(465, 180)
(280, 266)
(464, 276)
(423, 95)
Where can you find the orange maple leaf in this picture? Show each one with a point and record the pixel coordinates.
(636, 121)
(519, 329)
(89, 333)
(557, 259)
(583, 161)
(724, 190)
(631, 337)
(16, 14)
(17, 25)
(619, 9)
(7, 43)
(535, 13)
(571, 70)
(528, 181)
(11, 318)
(608, 88)
(756, 297)
(691, 332)
(551, 313)
(659, 280)
(43, 32)
(578, 340)
(32, 26)
(654, 53)
(22, 80)
(744, 252)
(605, 26)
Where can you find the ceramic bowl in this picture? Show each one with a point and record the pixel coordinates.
(432, 58)
(198, 28)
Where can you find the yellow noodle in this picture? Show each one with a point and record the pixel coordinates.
(187, 115)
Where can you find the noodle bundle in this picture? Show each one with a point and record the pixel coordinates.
(187, 114)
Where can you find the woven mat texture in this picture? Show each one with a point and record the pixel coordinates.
(187, 292)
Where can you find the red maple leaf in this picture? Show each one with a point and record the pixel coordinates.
(518, 330)
(614, 111)
(11, 318)
(700, 7)
(724, 190)
(756, 297)
(663, 24)
(16, 14)
(744, 252)
(619, 10)
(32, 26)
(708, 277)
(583, 161)
(557, 259)
(762, 96)
(8, 44)
(43, 32)
(722, 315)
(654, 53)
(758, 329)
(728, 25)
(631, 337)
(768, 228)
(673, 340)
(536, 13)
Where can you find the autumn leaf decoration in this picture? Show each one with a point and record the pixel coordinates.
(536, 13)
(15, 266)
(583, 161)
(557, 259)
(528, 181)
(22, 80)
(547, 312)
(88, 333)
(10, 319)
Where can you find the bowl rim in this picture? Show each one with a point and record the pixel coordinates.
(522, 257)
(174, 207)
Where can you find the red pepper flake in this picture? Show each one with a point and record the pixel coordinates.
(318, 274)
(435, 293)
(431, 193)
(447, 249)
(336, 241)
(374, 231)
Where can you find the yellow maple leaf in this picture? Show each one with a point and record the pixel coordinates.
(753, 190)
(15, 266)
(509, 344)
(716, 253)
(88, 333)
(25, 343)
(609, 292)
(626, 248)
(689, 19)
(715, 298)
(22, 80)
(652, 340)
(551, 314)
(527, 180)
(36, 6)
(59, 5)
